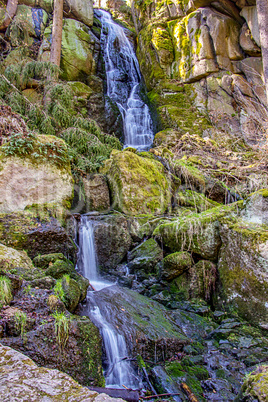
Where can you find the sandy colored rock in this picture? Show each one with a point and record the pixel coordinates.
(251, 16)
(11, 258)
(24, 182)
(21, 379)
(96, 190)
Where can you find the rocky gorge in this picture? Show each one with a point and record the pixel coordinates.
(180, 226)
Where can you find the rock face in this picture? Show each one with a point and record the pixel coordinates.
(144, 257)
(202, 44)
(243, 264)
(97, 197)
(21, 378)
(112, 240)
(23, 182)
(138, 185)
(10, 258)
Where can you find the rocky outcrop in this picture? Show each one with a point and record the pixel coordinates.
(112, 240)
(138, 184)
(97, 197)
(21, 378)
(201, 43)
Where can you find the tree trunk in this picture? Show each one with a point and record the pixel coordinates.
(57, 32)
(262, 10)
(9, 14)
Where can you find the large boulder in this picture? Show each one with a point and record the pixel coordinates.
(79, 50)
(196, 233)
(25, 181)
(112, 240)
(146, 325)
(21, 378)
(243, 269)
(138, 184)
(11, 258)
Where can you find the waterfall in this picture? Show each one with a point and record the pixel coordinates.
(118, 370)
(124, 83)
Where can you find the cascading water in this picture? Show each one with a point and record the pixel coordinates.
(124, 83)
(118, 370)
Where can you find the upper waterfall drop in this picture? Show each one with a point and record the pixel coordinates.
(124, 82)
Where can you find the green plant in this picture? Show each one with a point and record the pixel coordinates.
(20, 322)
(58, 290)
(61, 326)
(5, 291)
(27, 290)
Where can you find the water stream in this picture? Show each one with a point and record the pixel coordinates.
(118, 370)
(124, 83)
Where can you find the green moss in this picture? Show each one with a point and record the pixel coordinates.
(90, 343)
(138, 185)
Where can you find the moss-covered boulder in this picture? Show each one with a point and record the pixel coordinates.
(256, 210)
(39, 177)
(11, 259)
(138, 185)
(196, 201)
(145, 257)
(198, 233)
(79, 50)
(175, 264)
(255, 386)
(243, 268)
(69, 292)
(37, 231)
(43, 261)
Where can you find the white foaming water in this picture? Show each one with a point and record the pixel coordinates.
(87, 259)
(123, 83)
(119, 371)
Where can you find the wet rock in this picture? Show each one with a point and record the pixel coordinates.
(21, 378)
(138, 185)
(175, 264)
(165, 383)
(145, 257)
(112, 240)
(96, 190)
(81, 356)
(146, 325)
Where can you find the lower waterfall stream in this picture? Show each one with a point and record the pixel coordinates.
(118, 370)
